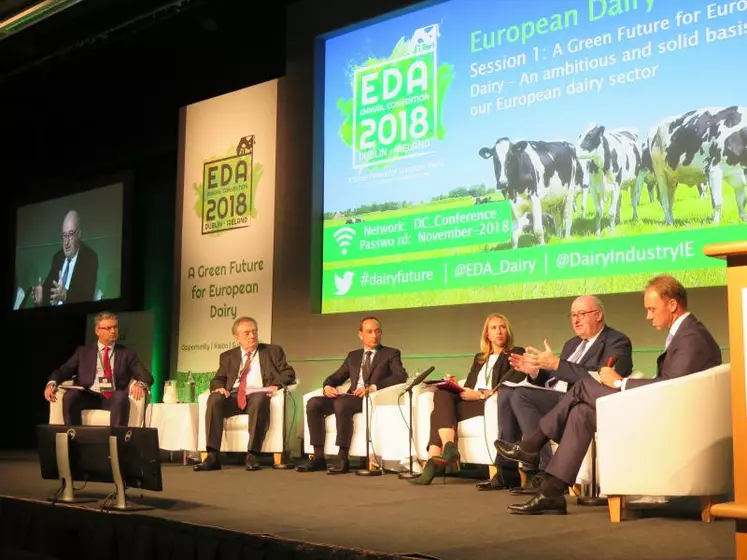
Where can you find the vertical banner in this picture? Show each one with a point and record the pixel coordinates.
(227, 222)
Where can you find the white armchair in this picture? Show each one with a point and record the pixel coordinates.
(99, 417)
(236, 428)
(475, 436)
(672, 438)
(389, 431)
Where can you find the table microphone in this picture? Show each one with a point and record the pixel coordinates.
(418, 380)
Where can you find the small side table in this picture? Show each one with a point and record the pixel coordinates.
(177, 426)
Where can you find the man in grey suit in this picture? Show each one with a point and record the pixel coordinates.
(247, 377)
(370, 368)
(689, 348)
(521, 408)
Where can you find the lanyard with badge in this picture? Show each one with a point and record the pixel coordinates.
(105, 383)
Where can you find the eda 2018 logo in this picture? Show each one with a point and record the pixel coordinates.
(395, 111)
(227, 193)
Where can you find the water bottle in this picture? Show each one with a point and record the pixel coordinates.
(191, 387)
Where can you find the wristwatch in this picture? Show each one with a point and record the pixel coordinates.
(617, 384)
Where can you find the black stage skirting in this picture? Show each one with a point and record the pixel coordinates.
(234, 514)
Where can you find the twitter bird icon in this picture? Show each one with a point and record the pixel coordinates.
(344, 283)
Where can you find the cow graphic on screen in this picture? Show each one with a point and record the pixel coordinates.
(424, 39)
(612, 161)
(708, 146)
(541, 180)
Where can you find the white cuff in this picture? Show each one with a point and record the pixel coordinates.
(624, 384)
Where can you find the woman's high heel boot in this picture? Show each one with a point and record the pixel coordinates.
(430, 471)
(450, 458)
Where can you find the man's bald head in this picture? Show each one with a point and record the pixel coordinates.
(587, 316)
(71, 221)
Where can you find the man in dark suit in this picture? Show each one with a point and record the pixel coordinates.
(520, 409)
(247, 377)
(371, 368)
(72, 275)
(689, 348)
(104, 372)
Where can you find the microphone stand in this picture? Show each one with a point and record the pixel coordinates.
(283, 465)
(594, 499)
(367, 471)
(409, 473)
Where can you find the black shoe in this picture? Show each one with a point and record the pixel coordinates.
(251, 462)
(514, 452)
(313, 465)
(540, 504)
(342, 467)
(533, 485)
(495, 483)
(211, 463)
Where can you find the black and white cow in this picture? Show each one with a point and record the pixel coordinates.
(613, 163)
(703, 146)
(538, 178)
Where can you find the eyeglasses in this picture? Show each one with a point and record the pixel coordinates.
(69, 234)
(581, 314)
(110, 328)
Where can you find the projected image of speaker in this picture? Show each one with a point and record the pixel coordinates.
(72, 251)
(74, 454)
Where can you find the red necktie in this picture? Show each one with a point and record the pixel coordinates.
(241, 396)
(107, 371)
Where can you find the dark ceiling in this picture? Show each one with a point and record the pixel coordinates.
(103, 80)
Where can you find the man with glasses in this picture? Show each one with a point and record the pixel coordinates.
(549, 378)
(72, 276)
(106, 375)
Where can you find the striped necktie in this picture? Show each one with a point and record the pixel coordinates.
(579, 351)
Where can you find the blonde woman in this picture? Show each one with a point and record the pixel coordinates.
(490, 368)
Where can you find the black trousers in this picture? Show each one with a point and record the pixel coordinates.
(519, 413)
(448, 409)
(572, 424)
(74, 402)
(343, 407)
(219, 408)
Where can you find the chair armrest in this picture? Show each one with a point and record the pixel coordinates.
(671, 438)
(388, 395)
(491, 406)
(311, 394)
(55, 408)
(293, 386)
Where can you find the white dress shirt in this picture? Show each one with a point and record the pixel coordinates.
(71, 267)
(483, 378)
(254, 377)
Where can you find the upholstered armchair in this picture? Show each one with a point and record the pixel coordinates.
(389, 431)
(672, 438)
(100, 417)
(236, 428)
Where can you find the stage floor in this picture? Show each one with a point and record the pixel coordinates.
(389, 515)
